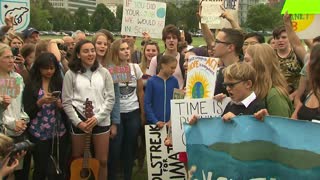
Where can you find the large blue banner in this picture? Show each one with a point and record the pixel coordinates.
(246, 148)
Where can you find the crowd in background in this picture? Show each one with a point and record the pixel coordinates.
(58, 76)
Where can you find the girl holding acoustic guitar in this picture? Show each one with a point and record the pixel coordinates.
(87, 79)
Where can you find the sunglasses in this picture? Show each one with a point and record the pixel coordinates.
(217, 41)
(230, 84)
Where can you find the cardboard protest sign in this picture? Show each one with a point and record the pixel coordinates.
(183, 109)
(211, 11)
(245, 148)
(10, 86)
(143, 16)
(120, 73)
(202, 74)
(19, 10)
(163, 162)
(305, 17)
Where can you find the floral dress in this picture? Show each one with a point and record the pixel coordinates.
(43, 126)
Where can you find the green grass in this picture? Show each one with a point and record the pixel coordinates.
(197, 41)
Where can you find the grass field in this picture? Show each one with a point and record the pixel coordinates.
(197, 41)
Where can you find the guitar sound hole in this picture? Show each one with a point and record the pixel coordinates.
(84, 173)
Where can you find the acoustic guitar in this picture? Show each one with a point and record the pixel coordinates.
(85, 168)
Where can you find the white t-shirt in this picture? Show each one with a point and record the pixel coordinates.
(128, 91)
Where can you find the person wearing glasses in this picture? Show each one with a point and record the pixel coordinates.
(227, 47)
(252, 39)
(239, 80)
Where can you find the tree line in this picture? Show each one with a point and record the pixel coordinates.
(45, 17)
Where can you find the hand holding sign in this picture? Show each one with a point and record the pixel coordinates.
(198, 14)
(287, 19)
(5, 101)
(9, 21)
(225, 14)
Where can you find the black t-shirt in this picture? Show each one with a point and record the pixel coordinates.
(238, 109)
(219, 81)
(306, 113)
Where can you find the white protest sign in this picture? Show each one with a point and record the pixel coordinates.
(10, 86)
(183, 109)
(211, 11)
(202, 74)
(19, 10)
(163, 162)
(306, 26)
(143, 16)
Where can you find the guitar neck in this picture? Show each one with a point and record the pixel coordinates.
(86, 152)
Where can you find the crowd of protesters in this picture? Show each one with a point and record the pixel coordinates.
(57, 76)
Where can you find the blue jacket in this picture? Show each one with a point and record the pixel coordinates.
(157, 98)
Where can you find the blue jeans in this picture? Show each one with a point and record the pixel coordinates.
(123, 146)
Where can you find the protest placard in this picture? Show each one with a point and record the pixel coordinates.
(163, 162)
(120, 73)
(202, 74)
(19, 10)
(305, 16)
(143, 16)
(211, 11)
(246, 148)
(10, 86)
(183, 109)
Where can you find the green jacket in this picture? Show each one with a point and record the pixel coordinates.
(278, 104)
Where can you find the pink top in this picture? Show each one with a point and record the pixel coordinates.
(177, 73)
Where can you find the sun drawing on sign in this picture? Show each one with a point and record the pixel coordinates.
(198, 86)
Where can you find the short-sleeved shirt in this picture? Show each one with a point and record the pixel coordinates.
(128, 91)
(43, 125)
(291, 68)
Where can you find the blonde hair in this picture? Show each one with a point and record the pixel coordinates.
(3, 47)
(240, 71)
(5, 145)
(113, 57)
(11, 36)
(265, 61)
(94, 40)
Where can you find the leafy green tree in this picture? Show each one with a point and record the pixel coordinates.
(262, 17)
(102, 18)
(82, 19)
(172, 15)
(62, 19)
(118, 18)
(187, 15)
(40, 17)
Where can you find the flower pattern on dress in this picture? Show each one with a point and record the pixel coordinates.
(42, 126)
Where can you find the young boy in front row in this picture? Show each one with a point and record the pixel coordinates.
(239, 79)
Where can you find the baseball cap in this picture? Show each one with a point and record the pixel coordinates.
(27, 32)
